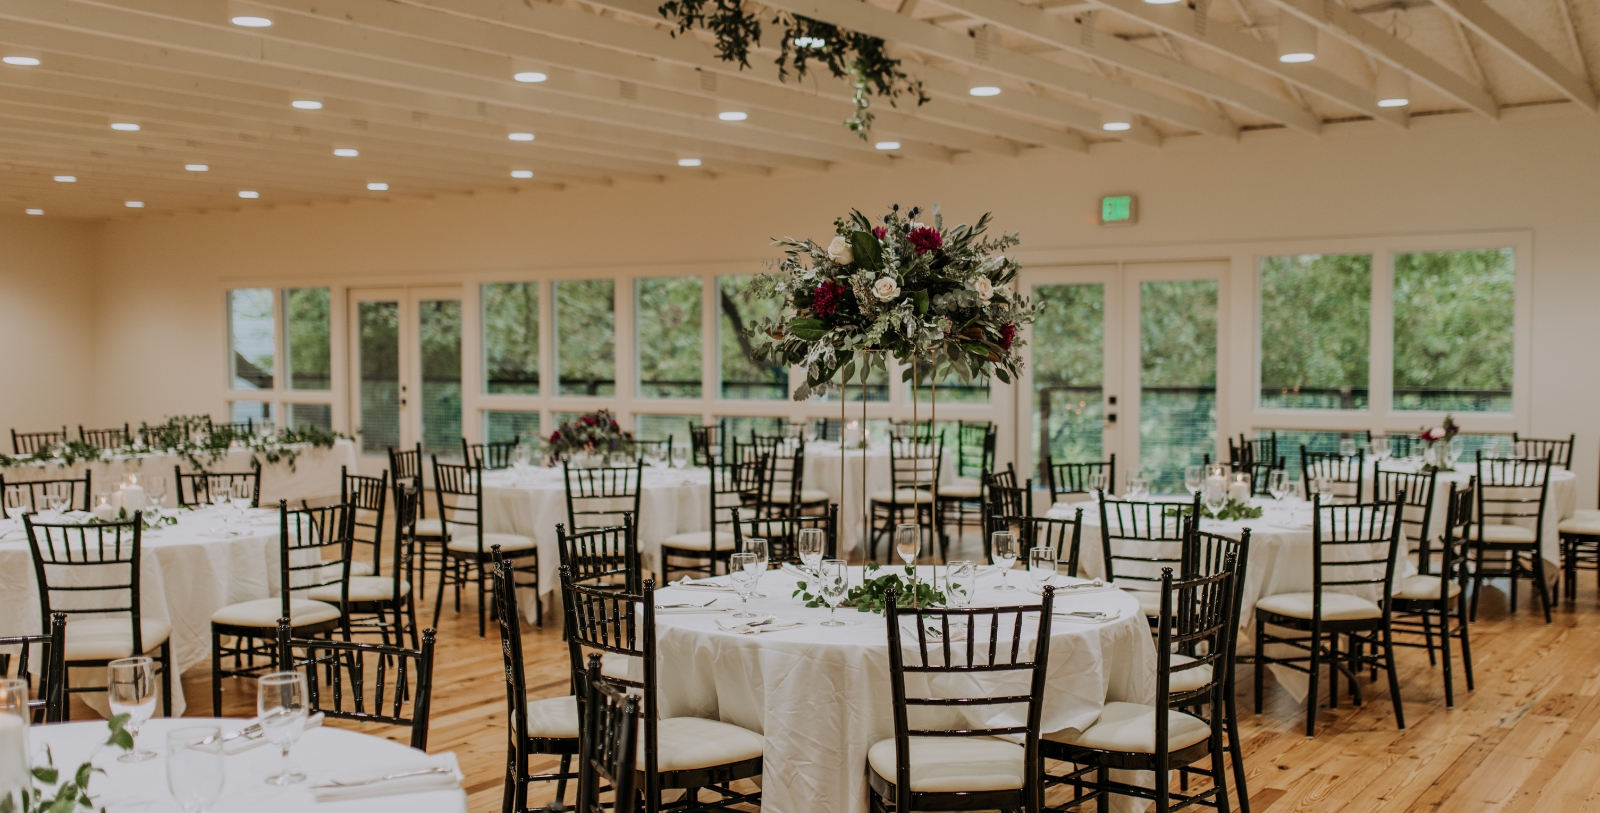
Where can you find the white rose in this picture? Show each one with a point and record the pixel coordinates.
(885, 288)
(839, 251)
(985, 289)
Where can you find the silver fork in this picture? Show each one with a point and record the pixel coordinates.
(334, 783)
(685, 605)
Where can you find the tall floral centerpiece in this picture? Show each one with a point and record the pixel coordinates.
(594, 433)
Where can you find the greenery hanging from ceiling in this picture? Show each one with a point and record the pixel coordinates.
(846, 54)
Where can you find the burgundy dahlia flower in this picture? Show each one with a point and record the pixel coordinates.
(879, 232)
(925, 239)
(1008, 333)
(827, 298)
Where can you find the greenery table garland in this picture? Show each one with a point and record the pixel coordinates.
(194, 438)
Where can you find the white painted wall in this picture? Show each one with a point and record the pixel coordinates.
(47, 324)
(1537, 171)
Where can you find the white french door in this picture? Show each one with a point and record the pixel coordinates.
(406, 351)
(1124, 360)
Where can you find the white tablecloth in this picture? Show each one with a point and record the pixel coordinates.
(188, 572)
(821, 695)
(1560, 502)
(823, 471)
(321, 753)
(315, 472)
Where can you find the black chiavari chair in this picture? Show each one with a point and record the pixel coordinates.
(1401, 444)
(48, 704)
(782, 491)
(1261, 475)
(1064, 536)
(921, 766)
(1559, 450)
(825, 429)
(1416, 491)
(1206, 555)
(699, 553)
(371, 684)
(1247, 452)
(194, 489)
(961, 501)
(609, 752)
(1140, 539)
(654, 450)
(603, 556)
(458, 490)
(705, 444)
(492, 455)
(1434, 602)
(914, 469)
(1003, 498)
(368, 499)
(546, 726)
(406, 466)
(1354, 548)
(78, 495)
(783, 534)
(1510, 524)
(103, 439)
(91, 574)
(306, 537)
(1071, 481)
(27, 443)
(1342, 472)
(374, 601)
(599, 497)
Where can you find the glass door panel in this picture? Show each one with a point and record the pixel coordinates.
(439, 376)
(378, 389)
(1177, 361)
(407, 388)
(1069, 373)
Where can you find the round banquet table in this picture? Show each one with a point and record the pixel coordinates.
(821, 695)
(321, 753)
(844, 483)
(187, 571)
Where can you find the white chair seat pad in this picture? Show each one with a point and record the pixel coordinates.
(1424, 586)
(1493, 532)
(698, 540)
(905, 496)
(1149, 601)
(813, 495)
(468, 543)
(1131, 728)
(264, 613)
(1335, 606)
(362, 588)
(691, 743)
(961, 490)
(106, 639)
(1189, 679)
(430, 527)
(553, 718)
(360, 569)
(953, 764)
(1585, 522)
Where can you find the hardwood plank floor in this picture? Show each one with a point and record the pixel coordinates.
(1528, 739)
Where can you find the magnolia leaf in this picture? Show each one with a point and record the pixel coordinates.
(868, 251)
(1000, 373)
(809, 330)
(921, 300)
(46, 775)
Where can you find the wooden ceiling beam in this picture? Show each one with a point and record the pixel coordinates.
(1487, 23)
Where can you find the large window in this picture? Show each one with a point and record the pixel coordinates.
(667, 315)
(283, 356)
(439, 331)
(741, 377)
(586, 337)
(1316, 328)
(1068, 350)
(1453, 338)
(511, 337)
(252, 339)
(1177, 378)
(379, 351)
(305, 314)
(500, 426)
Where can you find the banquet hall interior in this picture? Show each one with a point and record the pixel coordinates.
(800, 405)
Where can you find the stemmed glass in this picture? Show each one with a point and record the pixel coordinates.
(131, 690)
(1378, 448)
(219, 491)
(1138, 486)
(758, 547)
(19, 501)
(1347, 446)
(742, 570)
(1098, 483)
(907, 543)
(1456, 446)
(195, 772)
(281, 704)
(960, 582)
(155, 492)
(1003, 545)
(1193, 478)
(834, 584)
(1278, 484)
(1216, 495)
(1042, 565)
(810, 542)
(241, 494)
(680, 457)
(59, 496)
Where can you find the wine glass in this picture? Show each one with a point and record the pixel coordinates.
(195, 770)
(131, 690)
(810, 542)
(1042, 565)
(519, 457)
(1003, 545)
(1347, 446)
(1098, 483)
(834, 584)
(741, 568)
(1278, 484)
(1324, 488)
(241, 494)
(907, 543)
(19, 501)
(960, 582)
(1193, 478)
(1379, 447)
(1456, 447)
(59, 496)
(282, 706)
(218, 491)
(1138, 486)
(155, 493)
(680, 457)
(1215, 495)
(758, 547)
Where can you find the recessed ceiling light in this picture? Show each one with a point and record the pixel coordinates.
(252, 21)
(1162, 2)
(249, 194)
(24, 61)
(197, 167)
(125, 126)
(377, 187)
(1394, 86)
(66, 179)
(733, 115)
(529, 76)
(520, 136)
(134, 204)
(984, 90)
(346, 152)
(887, 145)
(1117, 126)
(1297, 39)
(306, 104)
(522, 173)
(34, 211)
(688, 162)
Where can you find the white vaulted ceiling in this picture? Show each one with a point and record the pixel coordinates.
(423, 90)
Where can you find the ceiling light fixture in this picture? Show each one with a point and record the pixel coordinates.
(733, 115)
(1297, 39)
(531, 77)
(125, 126)
(306, 104)
(197, 167)
(1394, 86)
(887, 145)
(377, 187)
(66, 179)
(1162, 2)
(133, 204)
(688, 162)
(21, 61)
(1116, 121)
(252, 21)
(522, 173)
(520, 136)
(984, 90)
(346, 152)
(34, 211)
(249, 15)
(249, 194)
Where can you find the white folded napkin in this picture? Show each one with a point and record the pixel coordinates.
(756, 626)
(439, 772)
(251, 736)
(1086, 616)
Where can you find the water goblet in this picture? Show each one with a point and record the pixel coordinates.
(519, 457)
(680, 457)
(19, 501)
(1042, 565)
(59, 497)
(282, 706)
(809, 543)
(218, 491)
(1098, 483)
(1347, 446)
(760, 549)
(1003, 546)
(155, 493)
(741, 570)
(834, 584)
(907, 543)
(1193, 478)
(1278, 484)
(242, 495)
(1138, 486)
(960, 582)
(195, 771)
(1215, 494)
(131, 690)
(1457, 446)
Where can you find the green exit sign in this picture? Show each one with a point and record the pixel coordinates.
(1118, 210)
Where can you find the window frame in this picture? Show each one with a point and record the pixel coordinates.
(280, 396)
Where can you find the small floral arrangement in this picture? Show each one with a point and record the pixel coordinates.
(1444, 431)
(591, 433)
(872, 595)
(924, 294)
(1437, 440)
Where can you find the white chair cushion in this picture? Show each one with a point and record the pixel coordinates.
(813, 495)
(430, 527)
(553, 718)
(698, 540)
(1493, 532)
(1149, 600)
(360, 569)
(1131, 728)
(468, 543)
(1189, 679)
(264, 612)
(904, 495)
(362, 588)
(690, 743)
(953, 764)
(619, 666)
(106, 639)
(1585, 522)
(961, 490)
(1424, 586)
(1335, 606)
